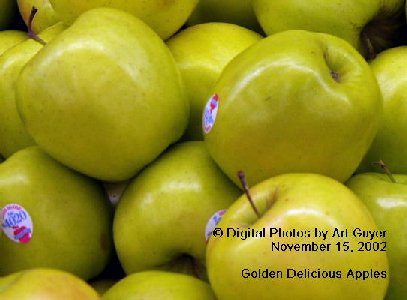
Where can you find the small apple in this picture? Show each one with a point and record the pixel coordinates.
(105, 97)
(281, 253)
(387, 202)
(7, 10)
(44, 18)
(160, 220)
(390, 143)
(52, 216)
(201, 52)
(370, 25)
(13, 135)
(45, 283)
(10, 38)
(296, 101)
(159, 285)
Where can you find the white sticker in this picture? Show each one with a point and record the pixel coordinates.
(16, 223)
(210, 112)
(213, 222)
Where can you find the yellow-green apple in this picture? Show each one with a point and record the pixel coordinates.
(304, 244)
(369, 25)
(164, 17)
(387, 202)
(46, 284)
(13, 135)
(7, 12)
(44, 18)
(295, 101)
(390, 143)
(201, 52)
(160, 220)
(10, 38)
(52, 216)
(159, 285)
(228, 11)
(105, 97)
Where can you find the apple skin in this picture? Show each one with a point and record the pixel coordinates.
(71, 217)
(44, 18)
(358, 22)
(171, 200)
(45, 283)
(13, 135)
(159, 285)
(10, 38)
(201, 52)
(107, 127)
(295, 102)
(164, 17)
(302, 202)
(390, 143)
(8, 8)
(387, 202)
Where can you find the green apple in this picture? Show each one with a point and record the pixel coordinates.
(52, 216)
(309, 248)
(105, 97)
(296, 101)
(159, 285)
(369, 25)
(10, 38)
(45, 283)
(201, 52)
(387, 202)
(44, 18)
(390, 143)
(13, 135)
(229, 11)
(164, 17)
(7, 10)
(160, 220)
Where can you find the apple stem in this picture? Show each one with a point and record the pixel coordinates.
(386, 170)
(371, 52)
(242, 178)
(31, 33)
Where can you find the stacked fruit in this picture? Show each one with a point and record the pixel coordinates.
(203, 149)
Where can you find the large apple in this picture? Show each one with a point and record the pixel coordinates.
(164, 17)
(7, 12)
(44, 18)
(295, 101)
(104, 97)
(52, 217)
(387, 202)
(160, 218)
(45, 283)
(13, 135)
(282, 253)
(369, 25)
(10, 38)
(390, 143)
(201, 52)
(159, 285)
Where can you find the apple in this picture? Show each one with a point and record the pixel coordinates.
(44, 18)
(13, 135)
(390, 143)
(10, 38)
(105, 97)
(313, 227)
(164, 17)
(294, 102)
(387, 202)
(7, 10)
(229, 11)
(45, 283)
(159, 285)
(161, 216)
(52, 216)
(201, 52)
(369, 25)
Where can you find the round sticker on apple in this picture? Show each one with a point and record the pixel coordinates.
(213, 222)
(210, 112)
(16, 223)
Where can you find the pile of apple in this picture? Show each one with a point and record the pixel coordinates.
(140, 140)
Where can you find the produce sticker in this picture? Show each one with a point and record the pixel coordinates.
(16, 223)
(210, 112)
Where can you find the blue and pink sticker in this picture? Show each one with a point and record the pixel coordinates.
(16, 223)
(213, 222)
(210, 112)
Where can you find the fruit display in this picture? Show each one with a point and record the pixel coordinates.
(201, 149)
